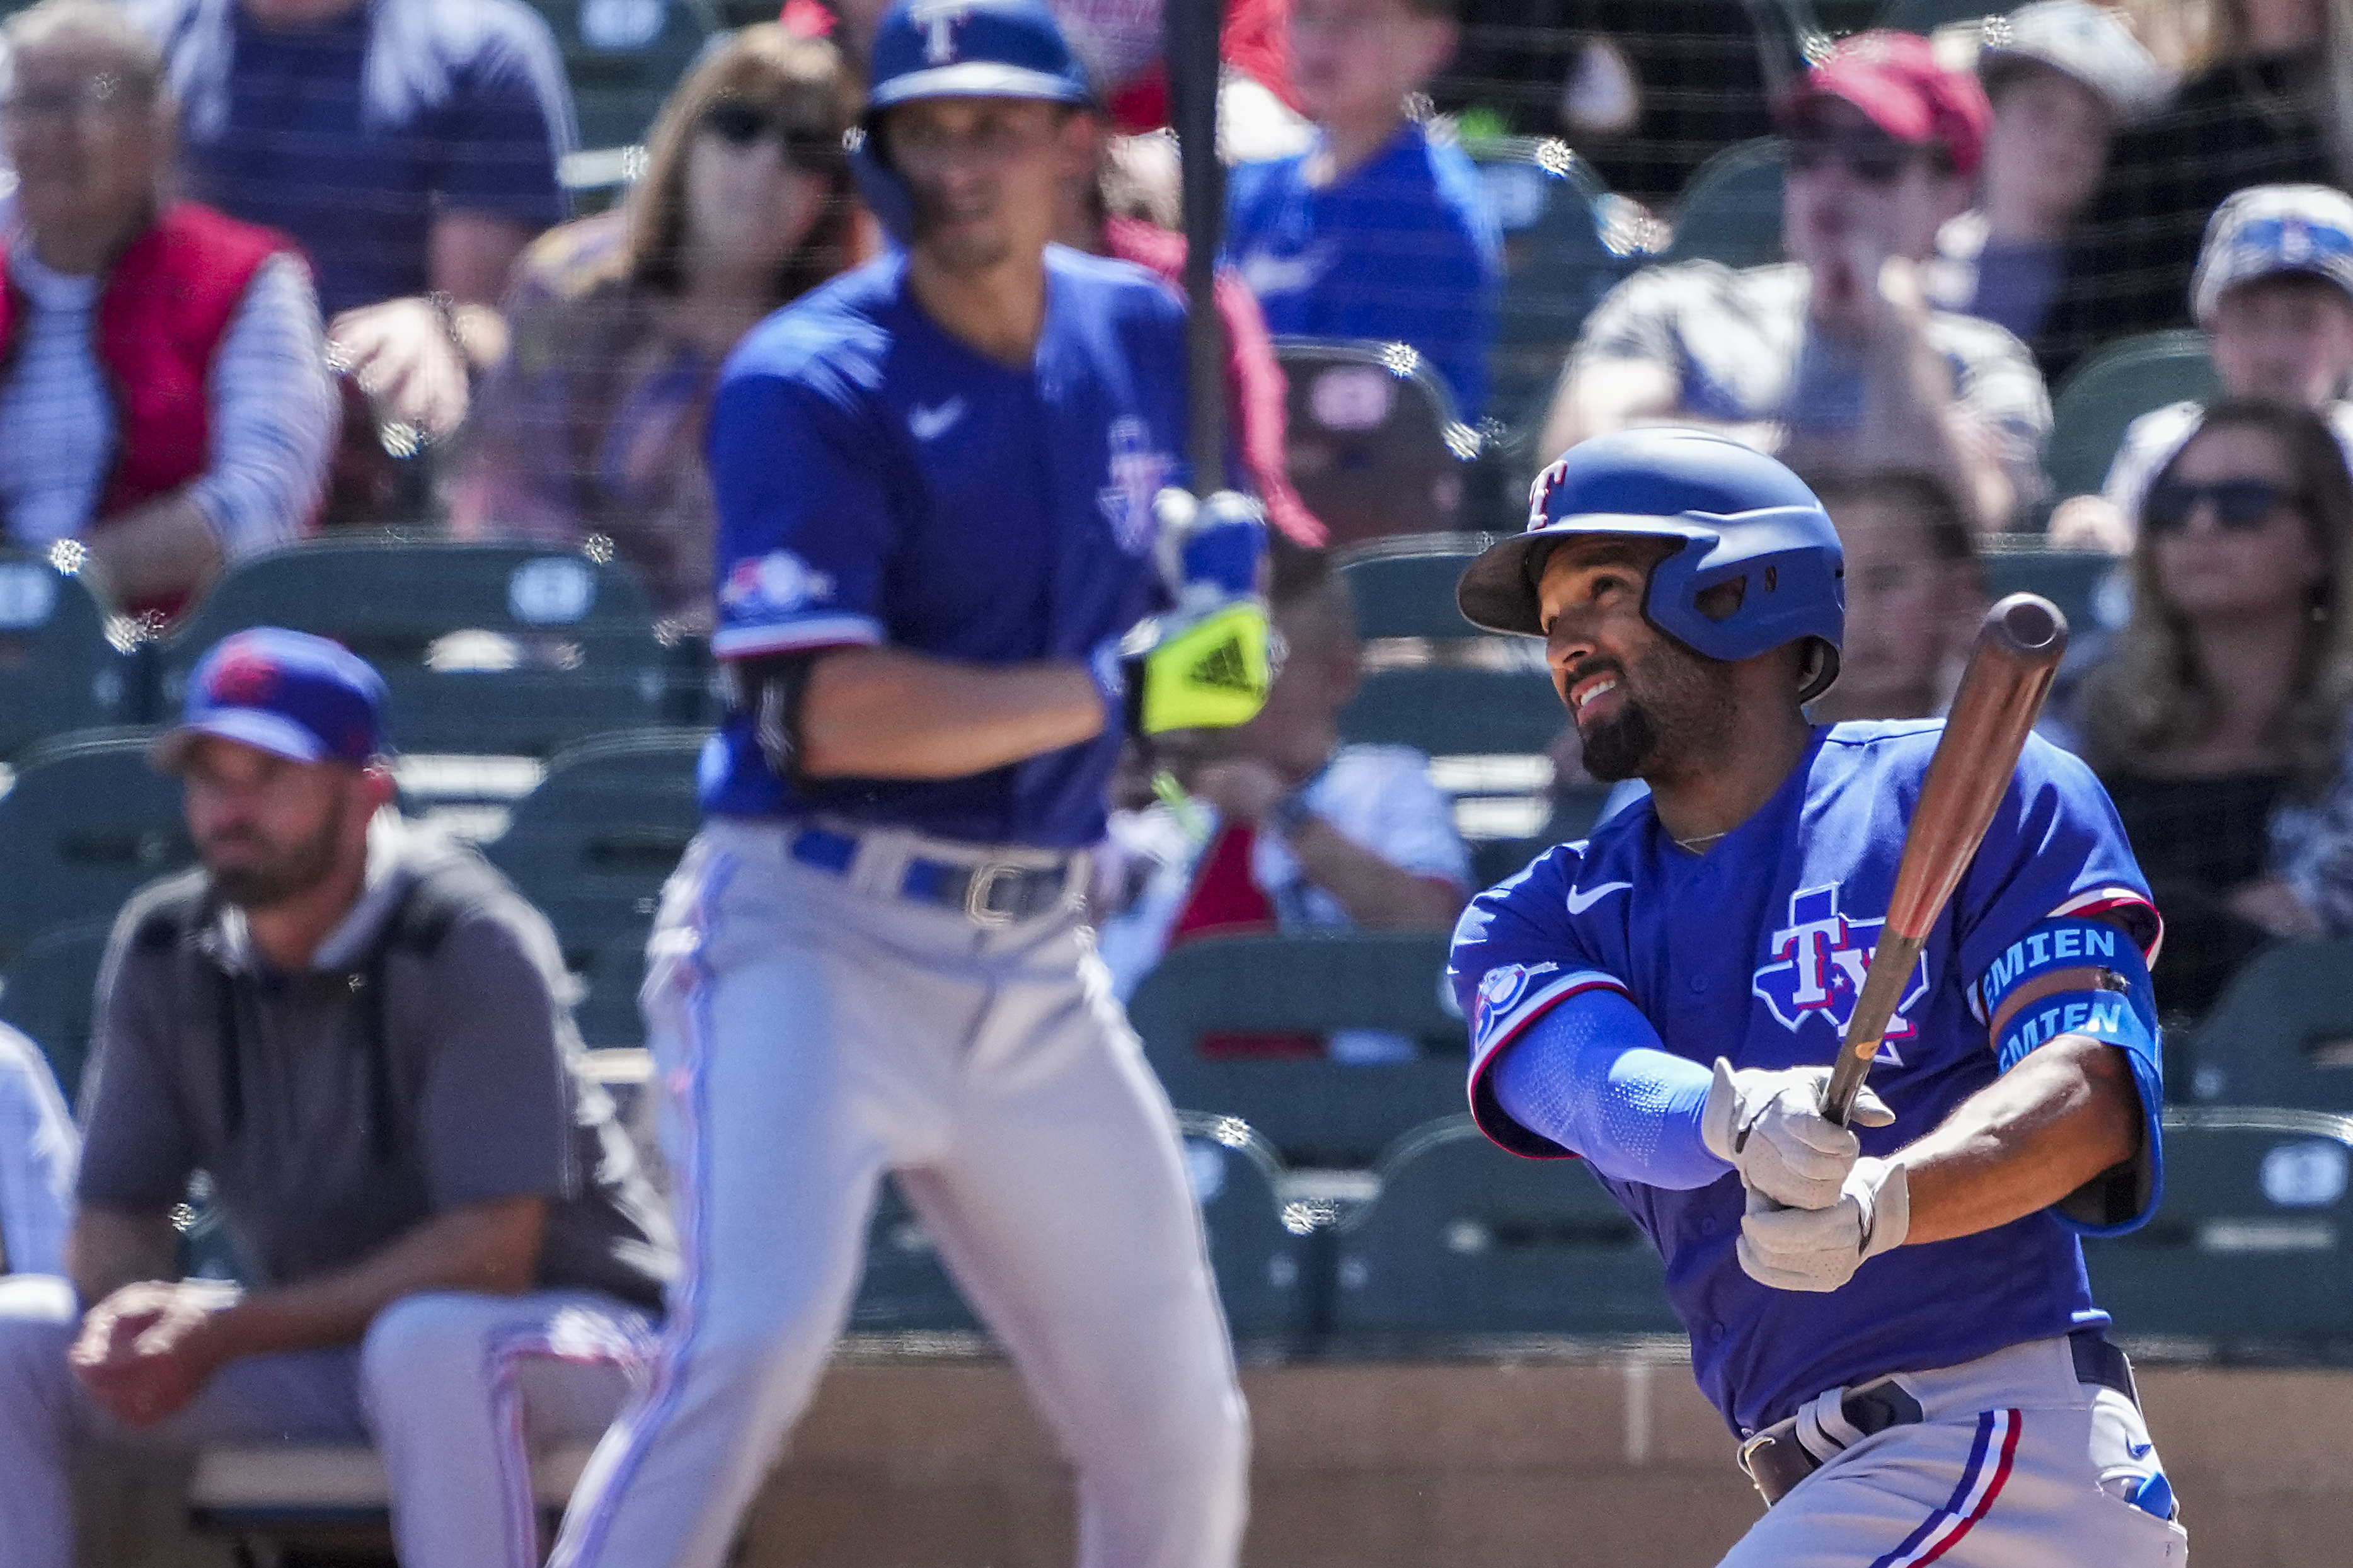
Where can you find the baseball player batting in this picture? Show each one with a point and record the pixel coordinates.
(936, 481)
(1892, 1314)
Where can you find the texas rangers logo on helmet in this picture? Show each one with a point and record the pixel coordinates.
(1821, 957)
(1540, 492)
(939, 19)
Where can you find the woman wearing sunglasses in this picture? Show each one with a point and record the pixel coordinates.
(2219, 720)
(593, 425)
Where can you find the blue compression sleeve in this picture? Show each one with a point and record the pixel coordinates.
(1590, 1076)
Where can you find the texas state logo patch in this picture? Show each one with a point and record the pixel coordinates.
(1818, 960)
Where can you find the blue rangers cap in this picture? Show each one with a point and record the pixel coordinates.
(1739, 514)
(955, 49)
(298, 696)
(972, 48)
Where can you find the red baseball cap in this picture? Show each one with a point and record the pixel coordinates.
(1895, 78)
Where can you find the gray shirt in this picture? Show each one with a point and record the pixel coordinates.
(426, 1060)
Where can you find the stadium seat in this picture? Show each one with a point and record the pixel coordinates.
(2077, 580)
(2248, 1254)
(505, 648)
(2281, 1033)
(623, 57)
(330, 1503)
(86, 825)
(47, 994)
(1467, 693)
(1374, 446)
(905, 1288)
(1731, 211)
(58, 666)
(1464, 1239)
(2111, 389)
(591, 847)
(1316, 1112)
(1567, 242)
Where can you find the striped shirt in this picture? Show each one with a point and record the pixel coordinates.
(273, 419)
(39, 1154)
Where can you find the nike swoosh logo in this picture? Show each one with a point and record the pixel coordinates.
(1578, 902)
(930, 423)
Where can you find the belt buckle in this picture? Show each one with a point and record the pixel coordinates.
(977, 888)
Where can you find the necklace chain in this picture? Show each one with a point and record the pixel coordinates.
(1694, 846)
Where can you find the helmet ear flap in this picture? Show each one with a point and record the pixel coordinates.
(885, 192)
(1820, 670)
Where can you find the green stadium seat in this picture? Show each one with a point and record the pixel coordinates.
(2281, 1033)
(1456, 711)
(48, 994)
(591, 847)
(2248, 1254)
(1374, 446)
(1567, 242)
(2082, 582)
(86, 825)
(1731, 210)
(623, 57)
(60, 668)
(2111, 389)
(505, 648)
(1404, 587)
(905, 1288)
(1316, 1112)
(1465, 1239)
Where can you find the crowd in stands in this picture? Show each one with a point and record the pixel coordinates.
(262, 252)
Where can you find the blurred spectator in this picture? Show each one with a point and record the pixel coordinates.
(1835, 359)
(2061, 76)
(2226, 695)
(2262, 102)
(593, 423)
(1289, 829)
(1646, 90)
(39, 1151)
(410, 146)
(1915, 591)
(1107, 211)
(163, 393)
(2275, 292)
(1377, 232)
(357, 1029)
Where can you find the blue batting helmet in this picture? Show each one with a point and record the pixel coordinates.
(1739, 514)
(956, 48)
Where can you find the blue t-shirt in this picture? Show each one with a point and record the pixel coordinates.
(1755, 951)
(879, 482)
(352, 134)
(1402, 250)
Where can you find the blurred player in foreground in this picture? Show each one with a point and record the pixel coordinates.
(936, 482)
(1895, 1318)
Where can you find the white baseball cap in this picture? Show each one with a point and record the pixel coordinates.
(2088, 43)
(2268, 229)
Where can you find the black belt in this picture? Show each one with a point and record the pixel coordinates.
(1775, 1460)
(992, 893)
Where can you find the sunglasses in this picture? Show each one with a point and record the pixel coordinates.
(740, 124)
(1873, 160)
(2241, 506)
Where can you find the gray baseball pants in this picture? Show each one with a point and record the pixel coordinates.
(454, 1390)
(810, 1030)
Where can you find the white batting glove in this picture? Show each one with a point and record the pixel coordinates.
(1769, 1126)
(1820, 1249)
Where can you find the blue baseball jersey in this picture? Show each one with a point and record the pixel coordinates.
(877, 482)
(1755, 951)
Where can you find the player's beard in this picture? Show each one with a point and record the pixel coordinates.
(283, 871)
(1677, 706)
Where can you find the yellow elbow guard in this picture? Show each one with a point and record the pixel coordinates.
(1208, 674)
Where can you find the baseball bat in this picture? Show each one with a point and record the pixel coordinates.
(1189, 38)
(2009, 672)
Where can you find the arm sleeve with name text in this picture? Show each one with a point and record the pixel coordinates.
(2057, 848)
(804, 523)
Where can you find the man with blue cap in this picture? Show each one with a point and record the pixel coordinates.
(359, 1032)
(940, 484)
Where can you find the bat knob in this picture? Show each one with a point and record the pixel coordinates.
(2029, 623)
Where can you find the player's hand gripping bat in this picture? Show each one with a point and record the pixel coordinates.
(2010, 673)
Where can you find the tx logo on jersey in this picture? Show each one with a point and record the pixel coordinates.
(1822, 957)
(1136, 474)
(776, 583)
